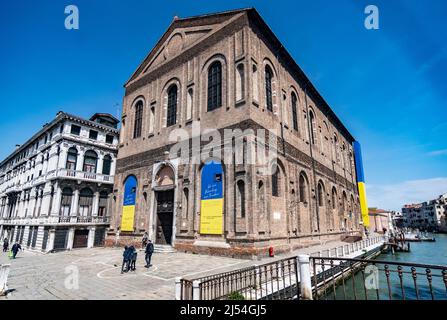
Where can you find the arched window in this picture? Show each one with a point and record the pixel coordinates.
(172, 106)
(189, 104)
(312, 127)
(294, 111)
(138, 123)
(320, 195)
(303, 188)
(67, 196)
(334, 198)
(72, 158)
(268, 88)
(240, 82)
(215, 86)
(102, 208)
(90, 161)
(107, 165)
(240, 198)
(85, 202)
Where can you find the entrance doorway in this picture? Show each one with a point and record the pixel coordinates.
(165, 216)
(80, 238)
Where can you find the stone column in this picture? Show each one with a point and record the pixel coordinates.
(51, 236)
(99, 164)
(56, 208)
(113, 166)
(80, 161)
(75, 204)
(91, 237)
(39, 240)
(95, 207)
(305, 277)
(32, 202)
(62, 160)
(70, 240)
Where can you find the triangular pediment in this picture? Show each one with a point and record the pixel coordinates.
(179, 40)
(181, 35)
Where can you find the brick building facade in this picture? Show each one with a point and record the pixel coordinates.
(229, 71)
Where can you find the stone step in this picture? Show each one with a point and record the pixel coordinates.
(164, 249)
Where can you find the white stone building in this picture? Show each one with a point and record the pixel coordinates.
(427, 215)
(55, 188)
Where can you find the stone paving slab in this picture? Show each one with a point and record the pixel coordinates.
(45, 276)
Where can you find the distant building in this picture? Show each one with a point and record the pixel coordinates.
(429, 215)
(54, 189)
(380, 220)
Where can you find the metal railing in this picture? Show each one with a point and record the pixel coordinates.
(345, 275)
(273, 281)
(360, 279)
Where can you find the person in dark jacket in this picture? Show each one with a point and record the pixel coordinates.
(132, 258)
(125, 266)
(15, 248)
(149, 251)
(5, 245)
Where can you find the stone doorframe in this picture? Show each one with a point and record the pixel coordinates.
(173, 164)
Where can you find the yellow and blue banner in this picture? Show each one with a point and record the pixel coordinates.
(211, 204)
(361, 182)
(128, 216)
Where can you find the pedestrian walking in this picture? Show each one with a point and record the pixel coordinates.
(144, 240)
(125, 266)
(15, 249)
(133, 259)
(5, 245)
(149, 251)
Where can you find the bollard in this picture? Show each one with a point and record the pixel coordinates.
(196, 290)
(4, 272)
(178, 288)
(305, 278)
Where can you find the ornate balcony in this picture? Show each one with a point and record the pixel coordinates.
(80, 175)
(54, 220)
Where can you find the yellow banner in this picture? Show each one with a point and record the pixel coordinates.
(127, 218)
(211, 216)
(363, 204)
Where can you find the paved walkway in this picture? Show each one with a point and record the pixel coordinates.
(96, 273)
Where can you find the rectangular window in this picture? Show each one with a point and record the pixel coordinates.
(109, 139)
(75, 130)
(93, 134)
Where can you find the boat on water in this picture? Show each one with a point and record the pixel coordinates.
(418, 237)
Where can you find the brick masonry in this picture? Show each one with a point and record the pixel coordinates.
(308, 170)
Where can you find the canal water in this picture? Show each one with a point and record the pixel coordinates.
(433, 253)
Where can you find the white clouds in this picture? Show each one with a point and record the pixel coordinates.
(394, 196)
(438, 152)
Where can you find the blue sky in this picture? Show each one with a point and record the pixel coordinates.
(388, 86)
